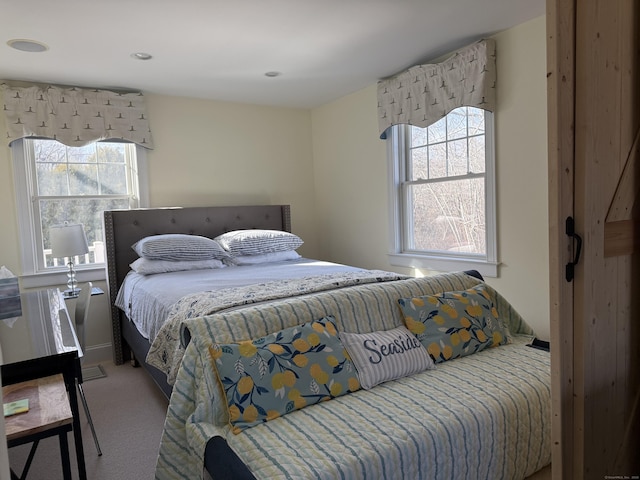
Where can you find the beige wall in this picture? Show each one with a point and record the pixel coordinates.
(331, 167)
(216, 153)
(350, 169)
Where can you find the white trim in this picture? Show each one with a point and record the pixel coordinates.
(58, 277)
(24, 207)
(393, 145)
(143, 176)
(490, 190)
(97, 354)
(443, 264)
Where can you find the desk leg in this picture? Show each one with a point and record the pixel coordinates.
(64, 452)
(70, 380)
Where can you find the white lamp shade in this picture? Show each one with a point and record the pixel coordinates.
(68, 240)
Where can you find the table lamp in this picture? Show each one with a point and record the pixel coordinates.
(69, 240)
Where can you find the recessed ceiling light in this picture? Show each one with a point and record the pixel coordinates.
(273, 74)
(25, 45)
(142, 56)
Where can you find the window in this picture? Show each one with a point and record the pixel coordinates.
(56, 184)
(443, 193)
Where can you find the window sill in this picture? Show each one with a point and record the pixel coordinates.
(443, 264)
(59, 277)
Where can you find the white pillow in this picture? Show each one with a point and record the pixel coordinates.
(258, 242)
(386, 355)
(264, 258)
(146, 266)
(178, 247)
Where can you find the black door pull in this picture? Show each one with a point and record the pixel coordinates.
(571, 232)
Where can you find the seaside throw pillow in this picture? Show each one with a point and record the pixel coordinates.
(386, 355)
(454, 324)
(268, 377)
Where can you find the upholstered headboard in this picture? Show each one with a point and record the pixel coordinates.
(122, 228)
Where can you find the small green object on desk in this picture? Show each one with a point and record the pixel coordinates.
(13, 408)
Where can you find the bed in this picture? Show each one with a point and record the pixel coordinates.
(148, 332)
(482, 415)
(123, 228)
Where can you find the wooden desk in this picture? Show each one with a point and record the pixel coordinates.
(40, 343)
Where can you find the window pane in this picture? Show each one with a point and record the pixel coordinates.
(85, 211)
(477, 154)
(52, 179)
(457, 157)
(84, 154)
(438, 131)
(49, 151)
(419, 167)
(476, 121)
(113, 179)
(449, 216)
(418, 136)
(111, 152)
(438, 160)
(83, 179)
(457, 123)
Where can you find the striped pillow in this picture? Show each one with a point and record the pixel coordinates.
(386, 355)
(178, 247)
(258, 242)
(145, 266)
(263, 258)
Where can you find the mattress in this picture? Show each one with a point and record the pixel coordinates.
(147, 300)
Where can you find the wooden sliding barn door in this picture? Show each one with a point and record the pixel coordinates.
(594, 169)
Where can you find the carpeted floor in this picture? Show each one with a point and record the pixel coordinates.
(128, 412)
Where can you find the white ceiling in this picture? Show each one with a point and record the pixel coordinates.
(219, 50)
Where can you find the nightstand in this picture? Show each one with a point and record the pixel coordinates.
(40, 343)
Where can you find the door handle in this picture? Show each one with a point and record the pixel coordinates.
(570, 230)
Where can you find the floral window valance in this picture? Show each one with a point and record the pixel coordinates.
(75, 116)
(424, 94)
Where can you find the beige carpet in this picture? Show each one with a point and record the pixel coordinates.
(128, 413)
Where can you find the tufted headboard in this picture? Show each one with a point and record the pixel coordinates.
(122, 228)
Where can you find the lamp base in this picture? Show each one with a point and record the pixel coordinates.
(72, 283)
(71, 293)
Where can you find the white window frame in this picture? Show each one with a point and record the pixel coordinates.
(33, 276)
(399, 256)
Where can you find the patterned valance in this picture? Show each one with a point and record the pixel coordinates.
(75, 116)
(424, 94)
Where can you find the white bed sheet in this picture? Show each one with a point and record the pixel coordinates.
(148, 300)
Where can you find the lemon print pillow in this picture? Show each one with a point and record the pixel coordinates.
(454, 324)
(265, 378)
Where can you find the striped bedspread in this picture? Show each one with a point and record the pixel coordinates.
(482, 416)
(167, 349)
